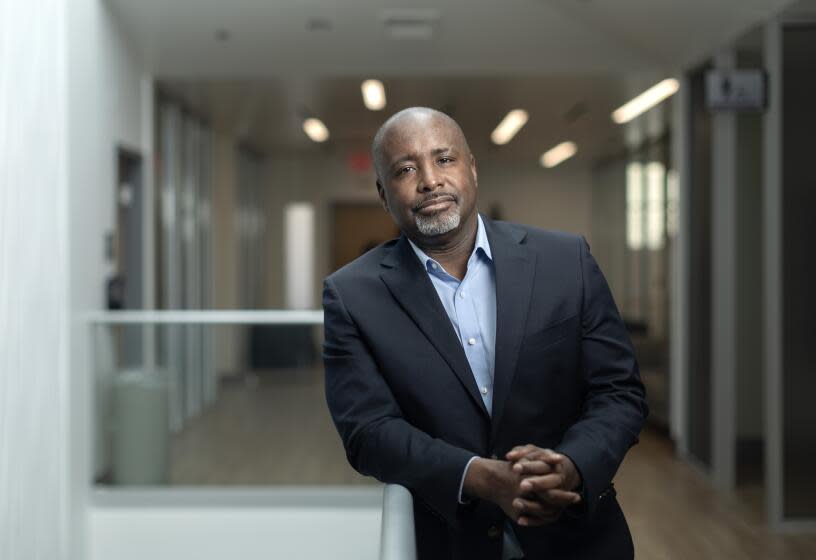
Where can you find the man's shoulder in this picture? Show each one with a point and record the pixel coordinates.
(538, 237)
(364, 267)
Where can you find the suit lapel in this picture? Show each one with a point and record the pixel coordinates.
(408, 282)
(515, 270)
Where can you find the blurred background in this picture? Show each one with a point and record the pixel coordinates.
(177, 177)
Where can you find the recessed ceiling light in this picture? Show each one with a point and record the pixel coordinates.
(373, 94)
(509, 126)
(646, 101)
(315, 130)
(559, 154)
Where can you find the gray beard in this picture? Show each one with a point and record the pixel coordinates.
(438, 224)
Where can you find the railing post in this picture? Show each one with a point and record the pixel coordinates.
(397, 538)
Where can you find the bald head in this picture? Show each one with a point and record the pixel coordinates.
(409, 122)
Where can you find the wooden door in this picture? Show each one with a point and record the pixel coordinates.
(356, 228)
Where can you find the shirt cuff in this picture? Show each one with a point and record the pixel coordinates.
(462, 482)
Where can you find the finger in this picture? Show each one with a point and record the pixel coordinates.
(532, 521)
(539, 484)
(520, 451)
(524, 506)
(546, 455)
(560, 498)
(527, 466)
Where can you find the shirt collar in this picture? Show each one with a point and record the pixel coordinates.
(481, 243)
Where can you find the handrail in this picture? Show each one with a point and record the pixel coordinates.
(208, 316)
(397, 538)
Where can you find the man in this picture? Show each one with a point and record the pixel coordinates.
(483, 365)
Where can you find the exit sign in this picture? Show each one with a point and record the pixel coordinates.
(736, 90)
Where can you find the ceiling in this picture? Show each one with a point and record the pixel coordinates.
(253, 38)
(572, 108)
(258, 67)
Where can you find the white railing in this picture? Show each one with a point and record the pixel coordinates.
(208, 317)
(397, 540)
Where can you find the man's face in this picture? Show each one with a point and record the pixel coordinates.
(427, 176)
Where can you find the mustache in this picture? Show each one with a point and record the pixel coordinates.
(430, 199)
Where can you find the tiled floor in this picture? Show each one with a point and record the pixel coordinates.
(273, 428)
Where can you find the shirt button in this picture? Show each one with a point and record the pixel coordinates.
(494, 532)
(483, 390)
(471, 341)
(462, 295)
(434, 265)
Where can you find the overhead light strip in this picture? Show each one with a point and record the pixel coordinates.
(559, 154)
(373, 94)
(315, 129)
(509, 126)
(646, 100)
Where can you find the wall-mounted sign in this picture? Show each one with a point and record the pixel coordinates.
(736, 90)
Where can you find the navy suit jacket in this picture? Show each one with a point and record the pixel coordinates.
(408, 410)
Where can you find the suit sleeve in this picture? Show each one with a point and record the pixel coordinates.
(614, 407)
(379, 442)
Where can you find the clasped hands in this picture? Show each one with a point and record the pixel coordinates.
(533, 486)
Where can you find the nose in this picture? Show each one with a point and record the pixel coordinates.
(430, 178)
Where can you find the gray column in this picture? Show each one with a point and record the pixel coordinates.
(723, 290)
(680, 264)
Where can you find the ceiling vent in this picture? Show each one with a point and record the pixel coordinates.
(410, 24)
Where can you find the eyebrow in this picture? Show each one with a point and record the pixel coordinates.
(408, 157)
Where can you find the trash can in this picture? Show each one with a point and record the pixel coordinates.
(141, 437)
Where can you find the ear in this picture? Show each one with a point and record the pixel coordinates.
(473, 170)
(381, 194)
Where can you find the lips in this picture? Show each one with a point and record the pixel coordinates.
(432, 203)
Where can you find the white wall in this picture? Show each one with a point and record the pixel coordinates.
(252, 533)
(70, 93)
(311, 523)
(34, 507)
(104, 111)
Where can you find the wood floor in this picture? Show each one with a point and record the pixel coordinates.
(273, 428)
(675, 515)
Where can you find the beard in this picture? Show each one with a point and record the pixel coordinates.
(438, 224)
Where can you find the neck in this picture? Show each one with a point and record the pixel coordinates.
(452, 250)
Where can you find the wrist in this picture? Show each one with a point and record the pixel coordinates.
(481, 479)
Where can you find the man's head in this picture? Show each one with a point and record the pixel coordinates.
(426, 175)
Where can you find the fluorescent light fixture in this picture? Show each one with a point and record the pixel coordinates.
(646, 100)
(559, 154)
(316, 130)
(509, 126)
(373, 94)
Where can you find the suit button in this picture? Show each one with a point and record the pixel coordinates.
(494, 532)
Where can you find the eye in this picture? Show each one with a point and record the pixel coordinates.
(403, 170)
(445, 160)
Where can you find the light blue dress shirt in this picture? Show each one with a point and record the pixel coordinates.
(471, 308)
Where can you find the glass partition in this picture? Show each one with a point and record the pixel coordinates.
(217, 399)
(798, 270)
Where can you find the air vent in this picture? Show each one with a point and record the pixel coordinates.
(410, 24)
(319, 24)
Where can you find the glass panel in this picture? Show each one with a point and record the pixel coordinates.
(267, 423)
(699, 312)
(655, 205)
(634, 205)
(672, 202)
(799, 269)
